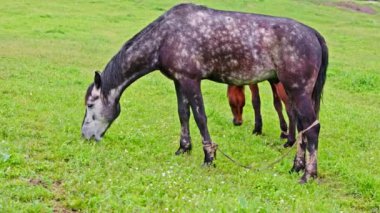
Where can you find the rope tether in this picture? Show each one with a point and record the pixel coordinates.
(299, 140)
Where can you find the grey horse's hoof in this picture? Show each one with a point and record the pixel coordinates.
(289, 143)
(210, 152)
(306, 177)
(257, 131)
(284, 135)
(184, 149)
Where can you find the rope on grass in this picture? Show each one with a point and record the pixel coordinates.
(298, 141)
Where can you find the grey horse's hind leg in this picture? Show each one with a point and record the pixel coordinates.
(184, 114)
(299, 160)
(306, 116)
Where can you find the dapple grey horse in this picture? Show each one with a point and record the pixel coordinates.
(190, 43)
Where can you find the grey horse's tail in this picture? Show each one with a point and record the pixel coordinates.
(318, 87)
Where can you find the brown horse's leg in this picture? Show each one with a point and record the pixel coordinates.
(184, 114)
(191, 89)
(306, 115)
(256, 107)
(236, 100)
(291, 114)
(278, 106)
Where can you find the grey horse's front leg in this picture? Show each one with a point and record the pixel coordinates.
(192, 91)
(184, 114)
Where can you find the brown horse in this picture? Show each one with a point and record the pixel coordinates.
(236, 100)
(190, 43)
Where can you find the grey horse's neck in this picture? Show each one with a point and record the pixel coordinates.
(136, 58)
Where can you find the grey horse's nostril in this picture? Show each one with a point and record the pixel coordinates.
(84, 136)
(87, 137)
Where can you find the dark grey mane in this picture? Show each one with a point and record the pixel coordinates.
(111, 76)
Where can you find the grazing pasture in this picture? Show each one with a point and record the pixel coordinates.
(48, 52)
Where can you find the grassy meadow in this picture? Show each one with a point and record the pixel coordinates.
(48, 52)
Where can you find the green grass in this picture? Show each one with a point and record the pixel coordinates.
(48, 52)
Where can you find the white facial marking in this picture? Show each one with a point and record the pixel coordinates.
(94, 124)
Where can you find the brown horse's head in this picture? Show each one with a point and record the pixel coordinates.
(237, 101)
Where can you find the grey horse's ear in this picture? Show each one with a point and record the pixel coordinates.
(97, 80)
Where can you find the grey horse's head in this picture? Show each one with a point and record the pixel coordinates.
(101, 110)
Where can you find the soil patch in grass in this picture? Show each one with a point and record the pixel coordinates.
(352, 6)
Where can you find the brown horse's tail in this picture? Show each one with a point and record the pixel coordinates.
(318, 87)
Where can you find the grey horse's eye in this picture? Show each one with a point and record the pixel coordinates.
(90, 105)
